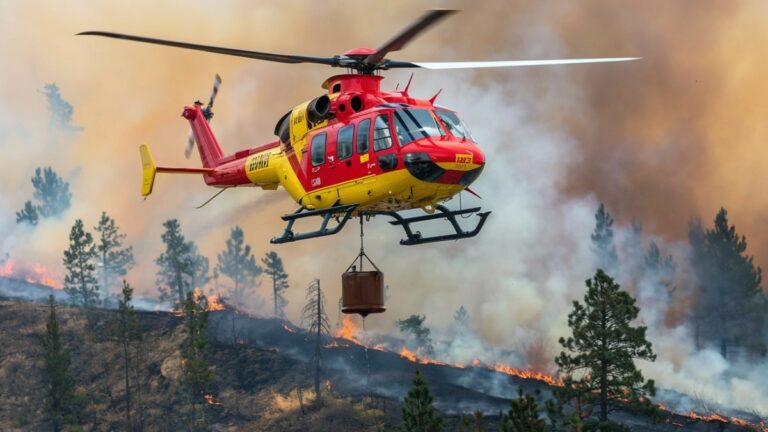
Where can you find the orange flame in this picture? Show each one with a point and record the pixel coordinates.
(348, 330)
(38, 274)
(211, 400)
(215, 303)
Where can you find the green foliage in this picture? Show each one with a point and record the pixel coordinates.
(52, 196)
(598, 361)
(28, 214)
(602, 240)
(114, 260)
(418, 413)
(63, 405)
(196, 374)
(414, 325)
(238, 264)
(80, 282)
(731, 305)
(273, 267)
(523, 415)
(461, 317)
(181, 267)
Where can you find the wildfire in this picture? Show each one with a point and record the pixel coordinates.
(348, 330)
(288, 329)
(215, 303)
(211, 400)
(528, 374)
(38, 274)
(328, 385)
(412, 357)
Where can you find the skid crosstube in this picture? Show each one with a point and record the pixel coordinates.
(414, 238)
(343, 212)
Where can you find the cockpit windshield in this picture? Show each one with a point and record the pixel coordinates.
(415, 123)
(452, 122)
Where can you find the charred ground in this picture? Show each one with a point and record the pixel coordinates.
(261, 377)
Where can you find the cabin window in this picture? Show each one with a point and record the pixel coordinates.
(412, 124)
(344, 142)
(452, 122)
(363, 136)
(336, 88)
(318, 149)
(382, 137)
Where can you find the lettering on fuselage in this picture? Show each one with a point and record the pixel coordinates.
(259, 162)
(463, 161)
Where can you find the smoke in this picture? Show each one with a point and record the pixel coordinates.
(675, 135)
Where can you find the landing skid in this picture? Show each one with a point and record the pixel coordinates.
(414, 238)
(343, 213)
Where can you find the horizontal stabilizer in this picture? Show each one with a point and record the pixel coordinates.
(149, 170)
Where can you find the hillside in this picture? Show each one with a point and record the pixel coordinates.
(257, 381)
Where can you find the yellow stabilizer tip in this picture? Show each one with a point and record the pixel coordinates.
(148, 170)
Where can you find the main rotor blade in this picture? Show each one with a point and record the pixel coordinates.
(509, 63)
(280, 58)
(410, 32)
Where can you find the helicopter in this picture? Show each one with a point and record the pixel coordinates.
(355, 151)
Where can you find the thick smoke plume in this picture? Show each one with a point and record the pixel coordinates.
(675, 135)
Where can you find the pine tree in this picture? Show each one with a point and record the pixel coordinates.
(523, 415)
(731, 304)
(128, 334)
(61, 111)
(418, 413)
(315, 319)
(602, 241)
(179, 264)
(80, 282)
(414, 325)
(51, 191)
(114, 260)
(273, 267)
(598, 361)
(238, 264)
(63, 405)
(28, 214)
(196, 374)
(461, 317)
(52, 194)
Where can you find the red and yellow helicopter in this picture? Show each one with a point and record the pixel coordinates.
(355, 151)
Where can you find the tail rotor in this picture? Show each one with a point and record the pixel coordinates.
(208, 114)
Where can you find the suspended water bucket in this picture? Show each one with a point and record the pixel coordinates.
(362, 292)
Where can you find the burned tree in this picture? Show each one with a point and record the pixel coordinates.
(80, 282)
(114, 259)
(196, 374)
(181, 267)
(315, 319)
(52, 196)
(598, 362)
(237, 263)
(273, 267)
(602, 241)
(418, 413)
(128, 333)
(63, 405)
(414, 325)
(731, 304)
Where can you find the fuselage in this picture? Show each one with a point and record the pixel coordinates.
(378, 150)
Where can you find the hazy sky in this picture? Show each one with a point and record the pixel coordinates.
(675, 135)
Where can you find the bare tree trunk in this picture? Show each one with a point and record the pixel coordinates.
(127, 381)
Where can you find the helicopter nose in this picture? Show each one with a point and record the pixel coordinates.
(452, 166)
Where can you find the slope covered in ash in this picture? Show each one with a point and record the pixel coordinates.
(261, 377)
